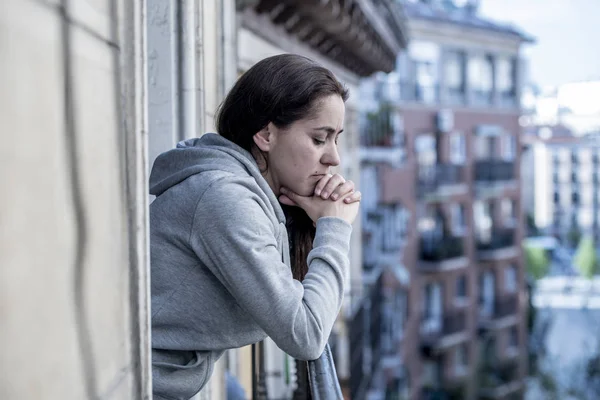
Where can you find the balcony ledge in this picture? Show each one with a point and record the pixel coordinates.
(501, 391)
(444, 265)
(498, 254)
(499, 323)
(445, 190)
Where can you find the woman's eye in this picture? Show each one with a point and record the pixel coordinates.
(318, 141)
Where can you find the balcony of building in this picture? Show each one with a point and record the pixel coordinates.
(500, 379)
(437, 385)
(497, 244)
(442, 331)
(376, 332)
(382, 136)
(441, 179)
(442, 253)
(494, 171)
(504, 313)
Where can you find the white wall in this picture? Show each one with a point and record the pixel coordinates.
(73, 288)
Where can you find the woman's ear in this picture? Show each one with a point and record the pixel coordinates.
(264, 138)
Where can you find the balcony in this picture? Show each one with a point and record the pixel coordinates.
(500, 244)
(441, 332)
(432, 178)
(505, 314)
(365, 340)
(442, 254)
(493, 171)
(500, 379)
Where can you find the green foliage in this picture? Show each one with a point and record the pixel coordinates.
(536, 261)
(586, 259)
(380, 128)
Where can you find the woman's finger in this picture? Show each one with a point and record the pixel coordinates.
(342, 190)
(353, 198)
(335, 181)
(283, 199)
(321, 184)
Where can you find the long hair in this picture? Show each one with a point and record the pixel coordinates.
(280, 90)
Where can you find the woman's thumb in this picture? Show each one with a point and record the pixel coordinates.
(294, 198)
(283, 199)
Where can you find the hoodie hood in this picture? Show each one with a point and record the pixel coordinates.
(208, 153)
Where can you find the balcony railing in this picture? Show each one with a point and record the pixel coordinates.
(499, 239)
(505, 306)
(451, 323)
(438, 250)
(432, 177)
(365, 340)
(494, 171)
(499, 379)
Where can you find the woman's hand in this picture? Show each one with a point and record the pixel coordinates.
(316, 207)
(334, 187)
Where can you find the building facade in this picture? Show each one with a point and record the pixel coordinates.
(560, 194)
(455, 97)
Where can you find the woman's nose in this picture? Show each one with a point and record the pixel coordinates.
(331, 156)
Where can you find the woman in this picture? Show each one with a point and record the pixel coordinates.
(222, 276)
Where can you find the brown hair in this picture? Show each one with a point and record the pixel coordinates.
(280, 90)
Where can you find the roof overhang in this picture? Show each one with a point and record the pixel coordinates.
(363, 35)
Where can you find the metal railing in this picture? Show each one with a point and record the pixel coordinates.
(431, 177)
(505, 306)
(494, 171)
(451, 323)
(365, 340)
(437, 250)
(499, 239)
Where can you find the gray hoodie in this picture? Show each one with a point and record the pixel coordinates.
(220, 266)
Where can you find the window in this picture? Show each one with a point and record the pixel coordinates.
(506, 80)
(461, 359)
(508, 212)
(432, 308)
(509, 148)
(481, 75)
(510, 279)
(457, 215)
(426, 152)
(458, 148)
(395, 311)
(482, 213)
(425, 63)
(454, 76)
(432, 372)
(486, 294)
(485, 147)
(461, 287)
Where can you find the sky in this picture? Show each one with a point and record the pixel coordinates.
(567, 33)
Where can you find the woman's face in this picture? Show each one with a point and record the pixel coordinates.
(301, 154)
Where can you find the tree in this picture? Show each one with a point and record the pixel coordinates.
(585, 257)
(536, 261)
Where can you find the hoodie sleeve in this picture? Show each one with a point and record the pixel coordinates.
(233, 235)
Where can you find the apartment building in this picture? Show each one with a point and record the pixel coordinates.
(450, 114)
(560, 191)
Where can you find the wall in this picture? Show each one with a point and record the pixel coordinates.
(73, 282)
